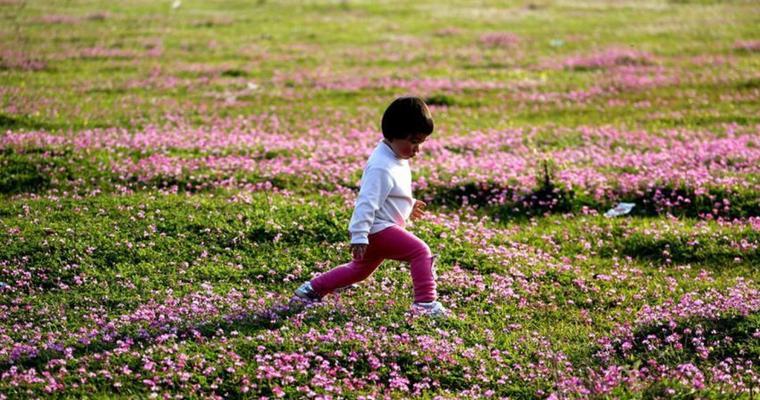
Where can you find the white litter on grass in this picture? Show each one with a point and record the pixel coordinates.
(620, 209)
(176, 4)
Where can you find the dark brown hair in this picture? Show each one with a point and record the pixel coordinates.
(405, 117)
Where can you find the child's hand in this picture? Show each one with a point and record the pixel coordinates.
(358, 250)
(418, 210)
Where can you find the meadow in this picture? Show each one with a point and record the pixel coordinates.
(170, 171)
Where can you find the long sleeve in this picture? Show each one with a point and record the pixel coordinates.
(376, 185)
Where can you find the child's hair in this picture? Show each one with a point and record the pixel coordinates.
(405, 117)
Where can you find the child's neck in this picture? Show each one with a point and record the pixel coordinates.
(388, 143)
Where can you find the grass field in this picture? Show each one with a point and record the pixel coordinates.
(171, 171)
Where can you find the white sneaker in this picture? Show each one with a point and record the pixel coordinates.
(306, 292)
(433, 309)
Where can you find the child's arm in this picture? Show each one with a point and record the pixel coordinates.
(376, 185)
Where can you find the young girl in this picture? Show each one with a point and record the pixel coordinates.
(384, 204)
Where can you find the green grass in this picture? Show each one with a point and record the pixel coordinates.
(81, 244)
(250, 42)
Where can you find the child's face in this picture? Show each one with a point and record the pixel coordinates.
(409, 147)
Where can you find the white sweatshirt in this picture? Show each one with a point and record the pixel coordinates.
(385, 198)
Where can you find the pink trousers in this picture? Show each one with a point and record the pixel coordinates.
(393, 243)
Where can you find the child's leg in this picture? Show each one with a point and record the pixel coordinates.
(400, 244)
(344, 275)
(354, 271)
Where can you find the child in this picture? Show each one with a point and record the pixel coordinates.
(384, 204)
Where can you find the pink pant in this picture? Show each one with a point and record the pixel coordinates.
(394, 243)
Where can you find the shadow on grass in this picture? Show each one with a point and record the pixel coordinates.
(21, 174)
(267, 319)
(739, 328)
(507, 204)
(15, 122)
(677, 249)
